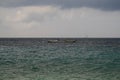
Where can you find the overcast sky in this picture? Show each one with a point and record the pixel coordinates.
(59, 18)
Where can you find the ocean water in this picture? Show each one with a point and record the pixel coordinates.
(36, 59)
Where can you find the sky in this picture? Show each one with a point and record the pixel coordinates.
(60, 18)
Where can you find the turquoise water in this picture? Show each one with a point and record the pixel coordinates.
(36, 59)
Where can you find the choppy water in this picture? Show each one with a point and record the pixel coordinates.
(36, 59)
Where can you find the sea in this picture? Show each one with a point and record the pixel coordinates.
(39, 59)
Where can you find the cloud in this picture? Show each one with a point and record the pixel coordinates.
(50, 21)
(65, 4)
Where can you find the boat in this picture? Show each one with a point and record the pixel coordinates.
(61, 41)
(69, 41)
(53, 41)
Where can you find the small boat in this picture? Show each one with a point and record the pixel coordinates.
(69, 41)
(53, 41)
(61, 41)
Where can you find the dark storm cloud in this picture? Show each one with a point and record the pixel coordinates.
(99, 4)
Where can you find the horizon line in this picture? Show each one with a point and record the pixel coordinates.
(58, 37)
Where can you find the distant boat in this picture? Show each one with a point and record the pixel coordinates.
(69, 41)
(53, 41)
(61, 41)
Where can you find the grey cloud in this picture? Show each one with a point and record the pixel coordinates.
(99, 4)
(58, 22)
(37, 17)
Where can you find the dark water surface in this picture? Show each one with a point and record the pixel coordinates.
(36, 59)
